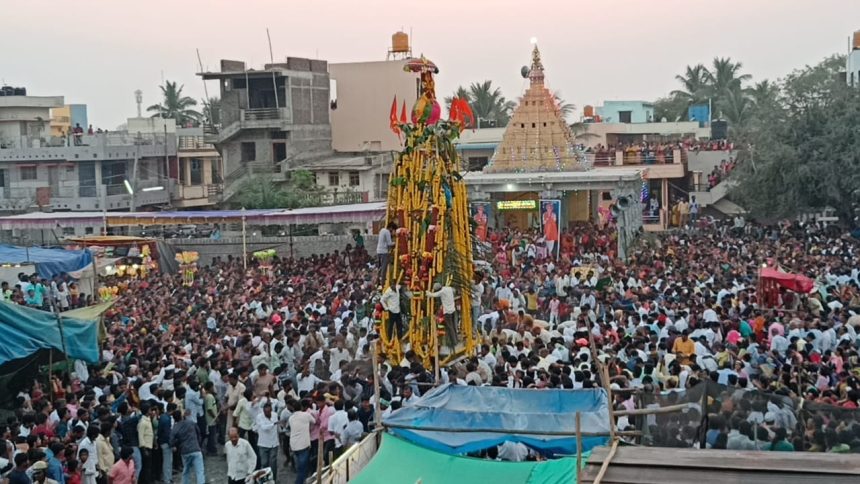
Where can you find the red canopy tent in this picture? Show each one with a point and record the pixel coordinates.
(771, 279)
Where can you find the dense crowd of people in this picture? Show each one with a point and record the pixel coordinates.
(262, 364)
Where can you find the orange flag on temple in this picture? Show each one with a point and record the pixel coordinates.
(403, 118)
(393, 117)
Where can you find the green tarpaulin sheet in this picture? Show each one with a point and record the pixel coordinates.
(399, 461)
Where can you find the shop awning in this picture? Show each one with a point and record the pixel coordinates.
(354, 213)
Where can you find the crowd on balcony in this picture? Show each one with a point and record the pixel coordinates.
(721, 172)
(692, 144)
(653, 152)
(256, 364)
(641, 153)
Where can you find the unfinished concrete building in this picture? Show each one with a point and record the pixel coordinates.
(271, 120)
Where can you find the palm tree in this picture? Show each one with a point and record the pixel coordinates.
(696, 82)
(564, 107)
(489, 104)
(725, 77)
(736, 107)
(212, 111)
(763, 93)
(461, 93)
(175, 105)
(579, 131)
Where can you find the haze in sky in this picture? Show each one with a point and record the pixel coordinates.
(98, 52)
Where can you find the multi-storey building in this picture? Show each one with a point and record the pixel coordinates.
(85, 173)
(272, 119)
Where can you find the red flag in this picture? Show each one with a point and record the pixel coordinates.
(403, 118)
(393, 117)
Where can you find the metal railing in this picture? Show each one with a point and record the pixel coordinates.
(636, 157)
(194, 143)
(353, 461)
(330, 198)
(261, 114)
(648, 157)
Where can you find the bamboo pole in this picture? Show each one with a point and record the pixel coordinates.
(376, 404)
(578, 448)
(320, 454)
(605, 466)
(605, 373)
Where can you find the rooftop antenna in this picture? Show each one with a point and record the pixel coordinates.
(200, 63)
(272, 60)
(138, 98)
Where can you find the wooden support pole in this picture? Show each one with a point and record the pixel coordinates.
(605, 466)
(605, 374)
(377, 412)
(320, 455)
(578, 448)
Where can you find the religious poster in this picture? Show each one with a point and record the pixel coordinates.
(481, 216)
(550, 217)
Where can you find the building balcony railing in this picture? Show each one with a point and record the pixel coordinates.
(260, 114)
(195, 143)
(192, 192)
(324, 199)
(634, 158)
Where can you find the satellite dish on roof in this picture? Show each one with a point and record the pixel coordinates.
(524, 71)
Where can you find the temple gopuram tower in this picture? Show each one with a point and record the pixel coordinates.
(537, 137)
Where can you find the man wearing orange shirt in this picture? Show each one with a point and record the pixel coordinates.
(684, 347)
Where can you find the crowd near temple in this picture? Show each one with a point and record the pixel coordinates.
(613, 266)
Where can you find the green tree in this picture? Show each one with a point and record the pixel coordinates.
(260, 192)
(489, 104)
(696, 85)
(175, 105)
(212, 111)
(725, 78)
(566, 109)
(737, 107)
(670, 108)
(461, 93)
(303, 180)
(764, 93)
(804, 147)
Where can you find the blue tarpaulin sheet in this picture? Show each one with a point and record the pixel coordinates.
(24, 331)
(49, 262)
(456, 419)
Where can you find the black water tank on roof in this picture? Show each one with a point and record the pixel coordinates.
(8, 90)
(20, 91)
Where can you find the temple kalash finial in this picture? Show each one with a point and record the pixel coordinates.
(536, 71)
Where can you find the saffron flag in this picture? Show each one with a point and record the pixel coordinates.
(393, 117)
(403, 118)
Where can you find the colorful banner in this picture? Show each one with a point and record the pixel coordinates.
(550, 219)
(481, 215)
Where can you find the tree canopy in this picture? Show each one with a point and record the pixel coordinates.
(804, 147)
(260, 192)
